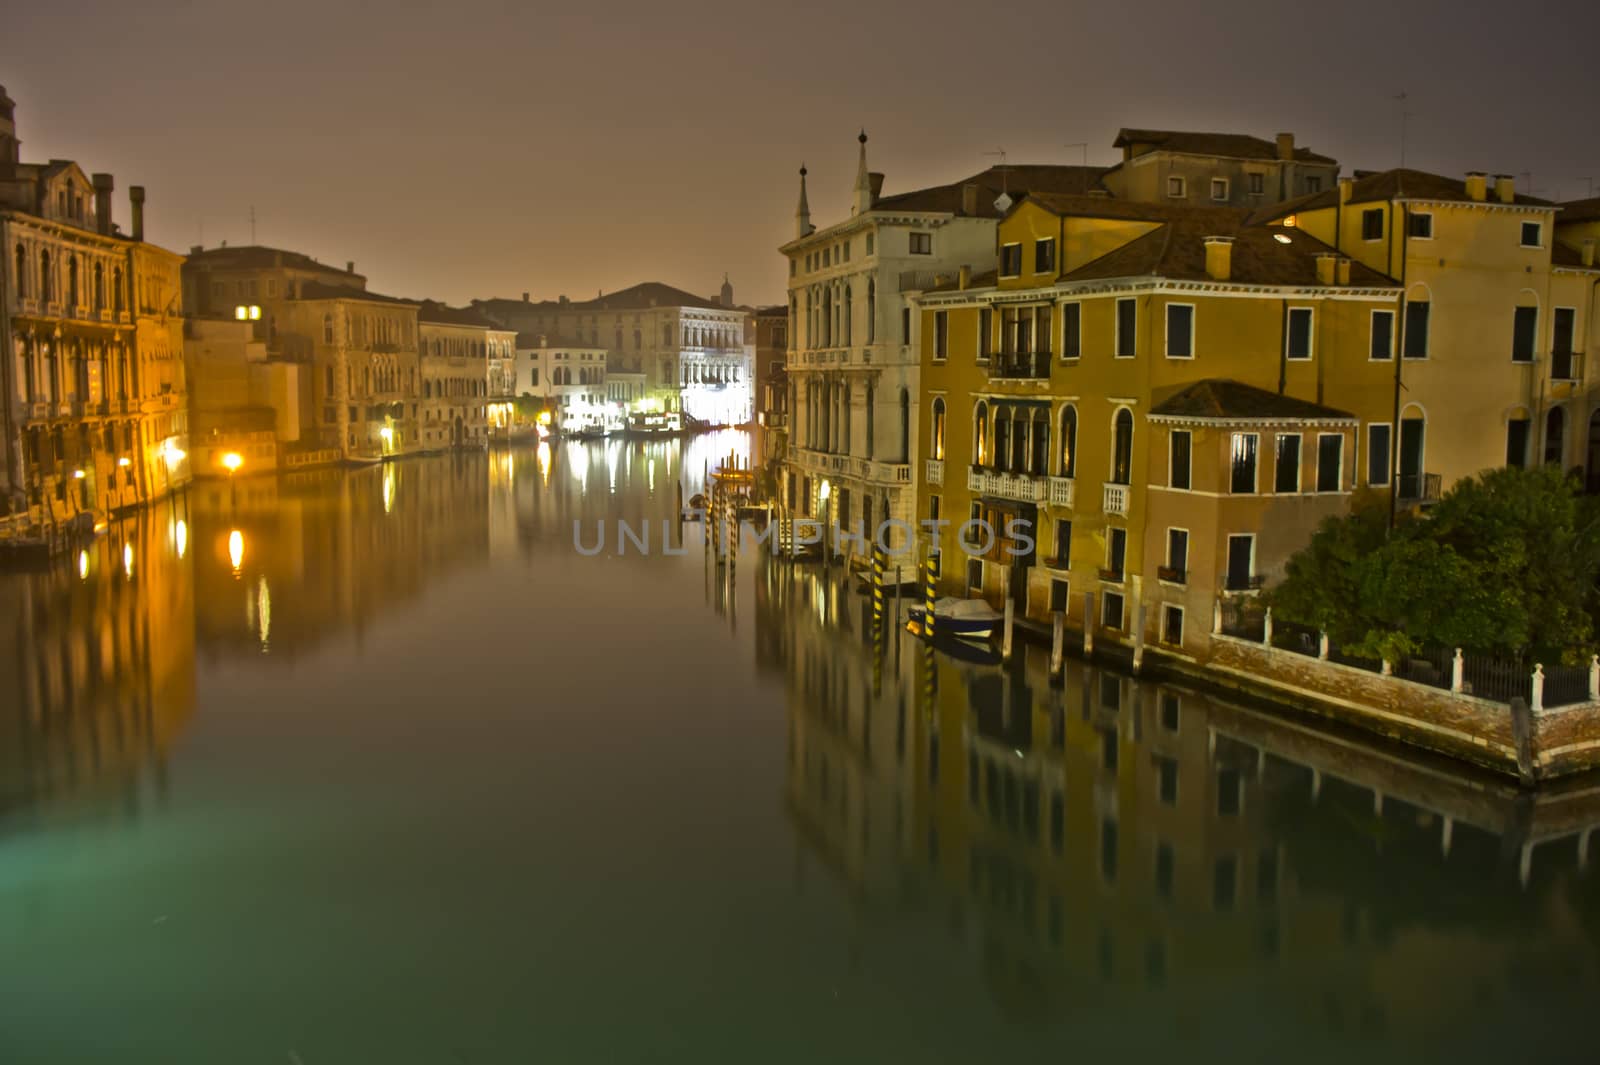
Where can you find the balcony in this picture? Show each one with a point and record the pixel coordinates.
(1116, 500)
(933, 472)
(1566, 366)
(1111, 574)
(1022, 487)
(1418, 487)
(1061, 491)
(1020, 366)
(1172, 575)
(1241, 582)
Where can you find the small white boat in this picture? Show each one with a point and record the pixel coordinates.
(970, 618)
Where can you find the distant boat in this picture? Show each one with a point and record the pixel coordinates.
(971, 619)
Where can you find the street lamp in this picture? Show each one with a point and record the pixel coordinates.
(231, 462)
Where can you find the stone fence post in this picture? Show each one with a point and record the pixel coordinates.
(1266, 629)
(1456, 668)
(1322, 646)
(1216, 616)
(1594, 678)
(1538, 687)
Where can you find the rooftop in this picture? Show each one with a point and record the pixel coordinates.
(433, 312)
(317, 290)
(529, 341)
(1221, 399)
(1225, 145)
(1015, 181)
(1398, 184)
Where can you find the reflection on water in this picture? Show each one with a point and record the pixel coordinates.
(379, 747)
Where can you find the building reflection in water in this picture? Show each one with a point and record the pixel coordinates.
(101, 674)
(1112, 835)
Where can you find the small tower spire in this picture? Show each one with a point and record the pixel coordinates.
(863, 196)
(802, 214)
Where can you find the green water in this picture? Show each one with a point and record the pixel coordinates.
(396, 774)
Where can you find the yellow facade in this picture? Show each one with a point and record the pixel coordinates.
(1028, 375)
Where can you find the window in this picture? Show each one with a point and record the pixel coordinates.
(869, 243)
(1243, 479)
(1044, 255)
(1167, 779)
(1372, 224)
(1010, 260)
(1116, 553)
(1532, 234)
(1069, 440)
(1330, 462)
(1286, 467)
(1241, 561)
(1417, 329)
(941, 334)
(1299, 336)
(1179, 460)
(1257, 184)
(1555, 432)
(1313, 184)
(1562, 330)
(1378, 464)
(1043, 330)
(938, 428)
(1122, 447)
(1219, 188)
(1063, 557)
(1180, 331)
(1058, 595)
(1524, 334)
(1517, 433)
(1111, 611)
(1177, 555)
(1175, 187)
(1071, 330)
(935, 507)
(1127, 309)
(1419, 226)
(905, 325)
(1382, 335)
(921, 243)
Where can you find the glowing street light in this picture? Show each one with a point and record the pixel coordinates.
(232, 461)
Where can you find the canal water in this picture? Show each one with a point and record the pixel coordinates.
(378, 766)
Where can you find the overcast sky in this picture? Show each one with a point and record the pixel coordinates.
(477, 149)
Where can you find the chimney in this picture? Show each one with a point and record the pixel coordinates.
(1327, 270)
(1347, 186)
(102, 202)
(136, 201)
(1588, 251)
(969, 199)
(1286, 147)
(1219, 258)
(1505, 188)
(524, 297)
(965, 277)
(876, 180)
(1344, 271)
(350, 266)
(1477, 186)
(196, 249)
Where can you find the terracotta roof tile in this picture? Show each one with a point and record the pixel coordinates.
(1221, 399)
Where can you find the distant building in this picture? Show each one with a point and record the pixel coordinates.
(240, 399)
(690, 349)
(454, 354)
(1215, 169)
(568, 375)
(771, 342)
(94, 417)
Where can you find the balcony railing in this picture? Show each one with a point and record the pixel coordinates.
(1062, 491)
(1023, 487)
(1116, 499)
(1566, 366)
(933, 471)
(1418, 487)
(1111, 574)
(1020, 366)
(1172, 575)
(1241, 582)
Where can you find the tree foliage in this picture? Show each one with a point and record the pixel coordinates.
(1506, 563)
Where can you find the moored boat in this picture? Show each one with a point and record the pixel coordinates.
(971, 619)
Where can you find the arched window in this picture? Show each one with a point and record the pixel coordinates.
(99, 288)
(327, 329)
(1002, 437)
(47, 283)
(72, 281)
(1039, 461)
(827, 317)
(936, 448)
(872, 310)
(1122, 447)
(980, 434)
(116, 286)
(1020, 421)
(846, 311)
(905, 426)
(1069, 441)
(872, 403)
(1555, 436)
(21, 272)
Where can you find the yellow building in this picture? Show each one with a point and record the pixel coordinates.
(455, 345)
(1496, 317)
(92, 411)
(1148, 406)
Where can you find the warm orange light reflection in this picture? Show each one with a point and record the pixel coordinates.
(236, 549)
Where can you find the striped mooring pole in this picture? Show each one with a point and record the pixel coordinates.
(930, 590)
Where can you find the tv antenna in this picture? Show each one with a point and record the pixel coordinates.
(1404, 117)
(252, 223)
(1083, 146)
(1002, 202)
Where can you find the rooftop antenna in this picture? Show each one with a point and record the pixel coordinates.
(1002, 202)
(1529, 175)
(1404, 116)
(1590, 180)
(252, 223)
(1082, 146)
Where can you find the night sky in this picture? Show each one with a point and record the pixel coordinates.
(477, 149)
